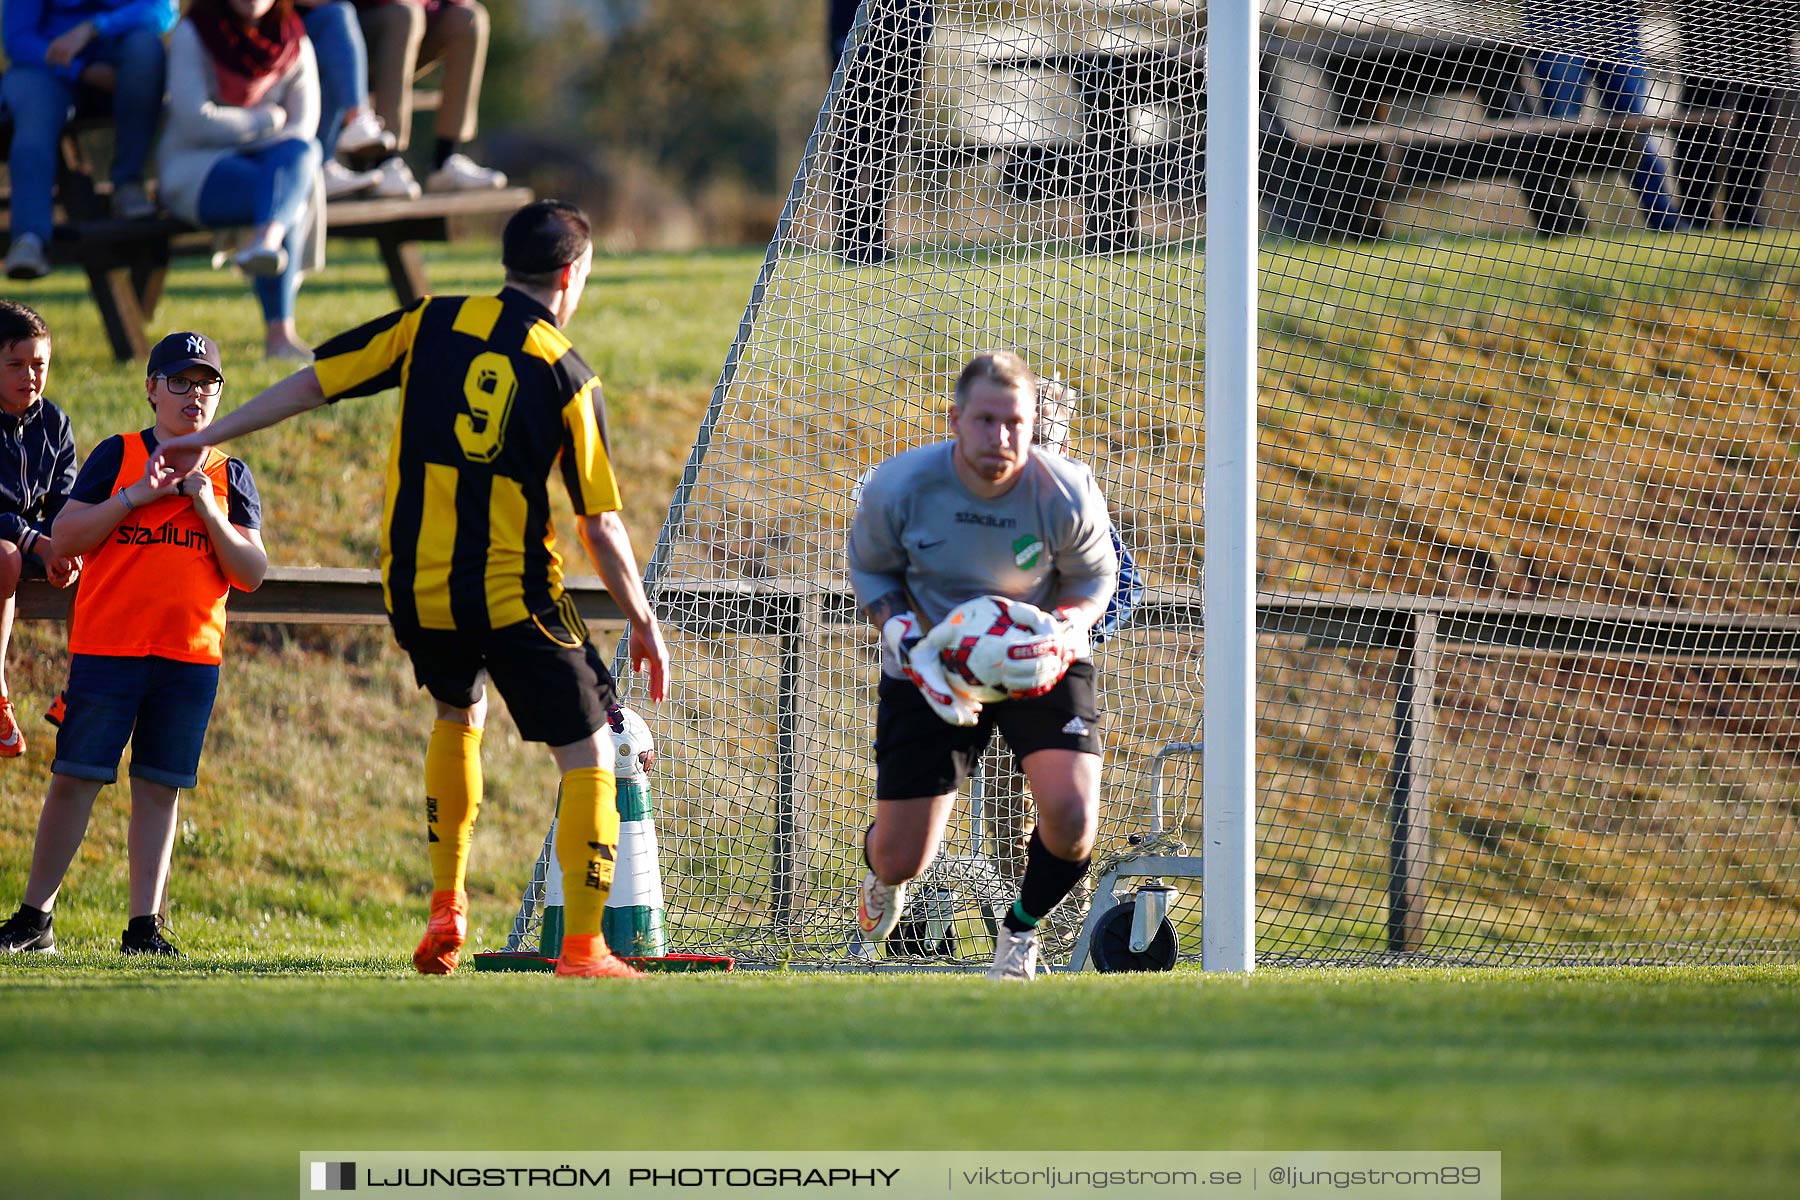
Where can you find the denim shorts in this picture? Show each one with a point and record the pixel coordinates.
(160, 706)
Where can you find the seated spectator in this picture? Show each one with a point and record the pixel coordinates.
(239, 150)
(1597, 43)
(35, 434)
(406, 36)
(349, 130)
(1739, 59)
(56, 47)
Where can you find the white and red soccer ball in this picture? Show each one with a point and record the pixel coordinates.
(993, 648)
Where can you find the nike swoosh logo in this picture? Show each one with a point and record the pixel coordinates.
(930, 545)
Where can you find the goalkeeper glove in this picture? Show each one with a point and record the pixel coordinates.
(1071, 634)
(917, 654)
(1033, 667)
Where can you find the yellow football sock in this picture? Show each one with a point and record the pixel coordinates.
(587, 843)
(452, 797)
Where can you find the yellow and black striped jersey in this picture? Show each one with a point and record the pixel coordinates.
(491, 393)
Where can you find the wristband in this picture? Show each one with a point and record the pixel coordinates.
(124, 497)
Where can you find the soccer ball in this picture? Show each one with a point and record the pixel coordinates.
(635, 749)
(993, 649)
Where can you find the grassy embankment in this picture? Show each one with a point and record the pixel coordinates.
(1586, 420)
(1606, 420)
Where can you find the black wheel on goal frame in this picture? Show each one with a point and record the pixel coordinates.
(1110, 945)
(912, 937)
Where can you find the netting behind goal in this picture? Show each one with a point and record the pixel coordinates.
(1529, 572)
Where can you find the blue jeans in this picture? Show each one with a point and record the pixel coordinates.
(41, 104)
(256, 187)
(162, 707)
(1621, 87)
(337, 40)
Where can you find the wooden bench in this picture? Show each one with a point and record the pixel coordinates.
(1336, 173)
(1365, 148)
(126, 262)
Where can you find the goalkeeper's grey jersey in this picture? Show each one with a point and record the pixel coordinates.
(917, 527)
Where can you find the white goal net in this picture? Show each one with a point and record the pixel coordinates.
(1528, 576)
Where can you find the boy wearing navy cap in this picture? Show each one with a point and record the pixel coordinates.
(161, 552)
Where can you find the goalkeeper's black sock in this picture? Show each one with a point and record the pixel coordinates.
(1047, 880)
(37, 916)
(440, 154)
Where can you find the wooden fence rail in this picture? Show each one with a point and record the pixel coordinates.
(1418, 629)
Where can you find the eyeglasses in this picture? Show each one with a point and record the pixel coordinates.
(181, 385)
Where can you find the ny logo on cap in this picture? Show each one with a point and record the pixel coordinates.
(196, 344)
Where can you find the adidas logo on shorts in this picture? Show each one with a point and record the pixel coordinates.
(1075, 725)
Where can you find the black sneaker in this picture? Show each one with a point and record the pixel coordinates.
(21, 934)
(145, 936)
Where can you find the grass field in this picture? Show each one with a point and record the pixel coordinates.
(208, 1078)
(299, 883)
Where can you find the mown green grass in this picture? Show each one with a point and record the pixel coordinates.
(208, 1079)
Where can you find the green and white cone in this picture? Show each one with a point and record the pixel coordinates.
(550, 934)
(633, 923)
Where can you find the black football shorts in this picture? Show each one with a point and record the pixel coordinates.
(545, 668)
(919, 754)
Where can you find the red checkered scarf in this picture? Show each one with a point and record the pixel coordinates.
(249, 59)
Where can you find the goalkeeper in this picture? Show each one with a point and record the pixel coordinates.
(981, 514)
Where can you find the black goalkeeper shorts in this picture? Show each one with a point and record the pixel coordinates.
(546, 670)
(919, 754)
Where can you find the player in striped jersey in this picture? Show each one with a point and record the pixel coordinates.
(492, 398)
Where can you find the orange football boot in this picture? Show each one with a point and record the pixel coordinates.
(445, 933)
(12, 738)
(586, 956)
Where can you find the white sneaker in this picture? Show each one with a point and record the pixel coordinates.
(26, 259)
(341, 181)
(878, 908)
(394, 180)
(1015, 955)
(262, 262)
(461, 174)
(364, 133)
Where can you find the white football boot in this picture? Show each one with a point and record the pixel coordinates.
(1015, 955)
(878, 908)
